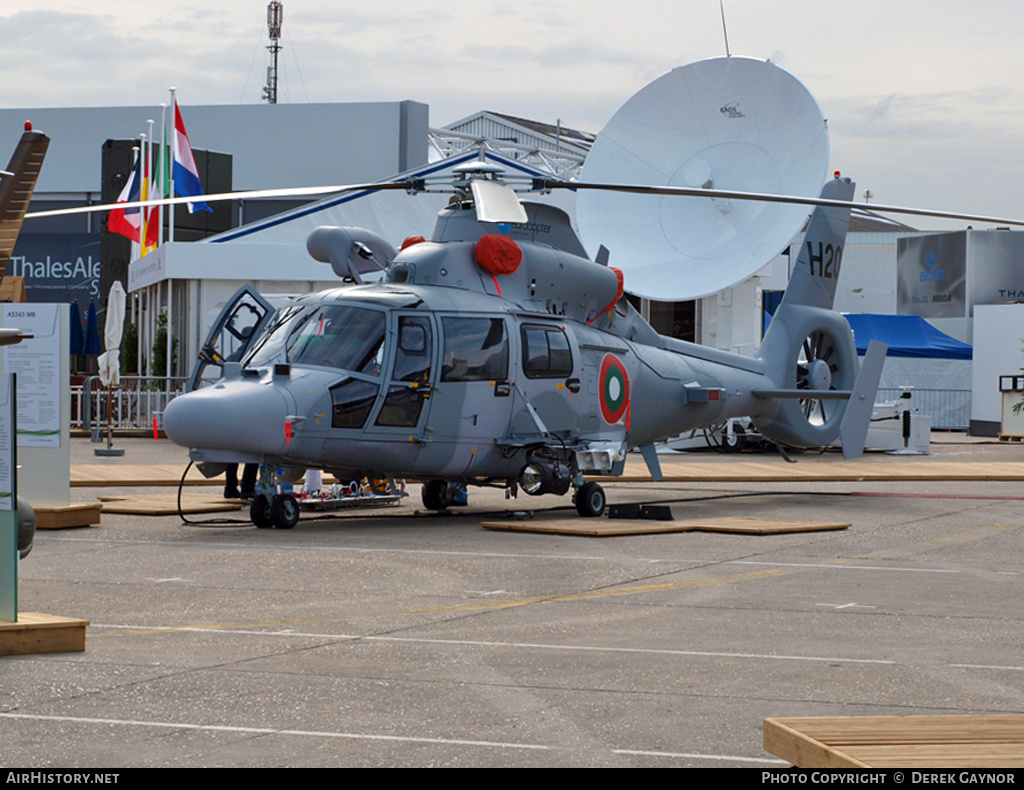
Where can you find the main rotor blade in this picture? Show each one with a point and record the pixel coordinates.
(255, 193)
(766, 197)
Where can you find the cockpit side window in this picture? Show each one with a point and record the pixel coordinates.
(475, 349)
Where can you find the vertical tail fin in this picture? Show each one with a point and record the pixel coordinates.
(16, 189)
(807, 345)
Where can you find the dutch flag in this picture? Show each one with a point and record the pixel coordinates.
(186, 175)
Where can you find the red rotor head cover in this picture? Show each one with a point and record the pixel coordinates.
(497, 254)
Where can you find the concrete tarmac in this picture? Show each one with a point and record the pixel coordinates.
(402, 638)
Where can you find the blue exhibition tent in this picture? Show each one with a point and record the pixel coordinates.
(906, 335)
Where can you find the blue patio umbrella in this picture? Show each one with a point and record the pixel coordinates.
(92, 332)
(77, 341)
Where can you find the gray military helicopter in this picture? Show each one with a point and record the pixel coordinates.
(497, 353)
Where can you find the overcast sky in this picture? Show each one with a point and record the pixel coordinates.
(923, 98)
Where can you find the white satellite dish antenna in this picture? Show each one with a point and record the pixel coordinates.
(729, 123)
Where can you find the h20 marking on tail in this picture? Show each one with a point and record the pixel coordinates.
(827, 260)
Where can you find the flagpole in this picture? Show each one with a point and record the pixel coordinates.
(163, 185)
(174, 114)
(170, 327)
(136, 321)
(147, 180)
(135, 159)
(142, 212)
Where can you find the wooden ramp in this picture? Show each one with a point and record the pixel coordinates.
(898, 741)
(607, 527)
(81, 515)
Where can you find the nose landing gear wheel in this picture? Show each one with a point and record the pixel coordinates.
(259, 512)
(284, 511)
(590, 500)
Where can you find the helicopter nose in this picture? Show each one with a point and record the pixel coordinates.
(248, 417)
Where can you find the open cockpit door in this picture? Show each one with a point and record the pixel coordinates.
(243, 317)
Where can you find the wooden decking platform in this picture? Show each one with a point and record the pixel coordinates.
(898, 741)
(826, 469)
(104, 475)
(42, 633)
(167, 504)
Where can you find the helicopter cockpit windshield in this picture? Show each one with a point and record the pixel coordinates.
(334, 335)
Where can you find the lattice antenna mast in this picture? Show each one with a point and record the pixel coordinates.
(275, 16)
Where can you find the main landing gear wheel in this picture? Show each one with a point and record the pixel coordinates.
(590, 500)
(435, 495)
(284, 511)
(735, 443)
(259, 512)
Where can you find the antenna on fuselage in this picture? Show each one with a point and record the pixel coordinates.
(725, 29)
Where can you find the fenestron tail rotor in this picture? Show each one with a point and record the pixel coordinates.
(817, 365)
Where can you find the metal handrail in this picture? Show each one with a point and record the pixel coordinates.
(950, 409)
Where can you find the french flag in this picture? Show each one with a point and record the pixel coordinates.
(186, 174)
(126, 222)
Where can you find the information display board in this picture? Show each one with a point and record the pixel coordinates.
(44, 399)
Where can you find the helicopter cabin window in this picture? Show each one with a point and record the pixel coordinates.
(546, 353)
(341, 336)
(475, 349)
(404, 402)
(351, 401)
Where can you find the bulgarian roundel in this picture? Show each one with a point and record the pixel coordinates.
(614, 389)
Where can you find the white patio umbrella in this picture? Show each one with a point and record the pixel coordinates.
(110, 360)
